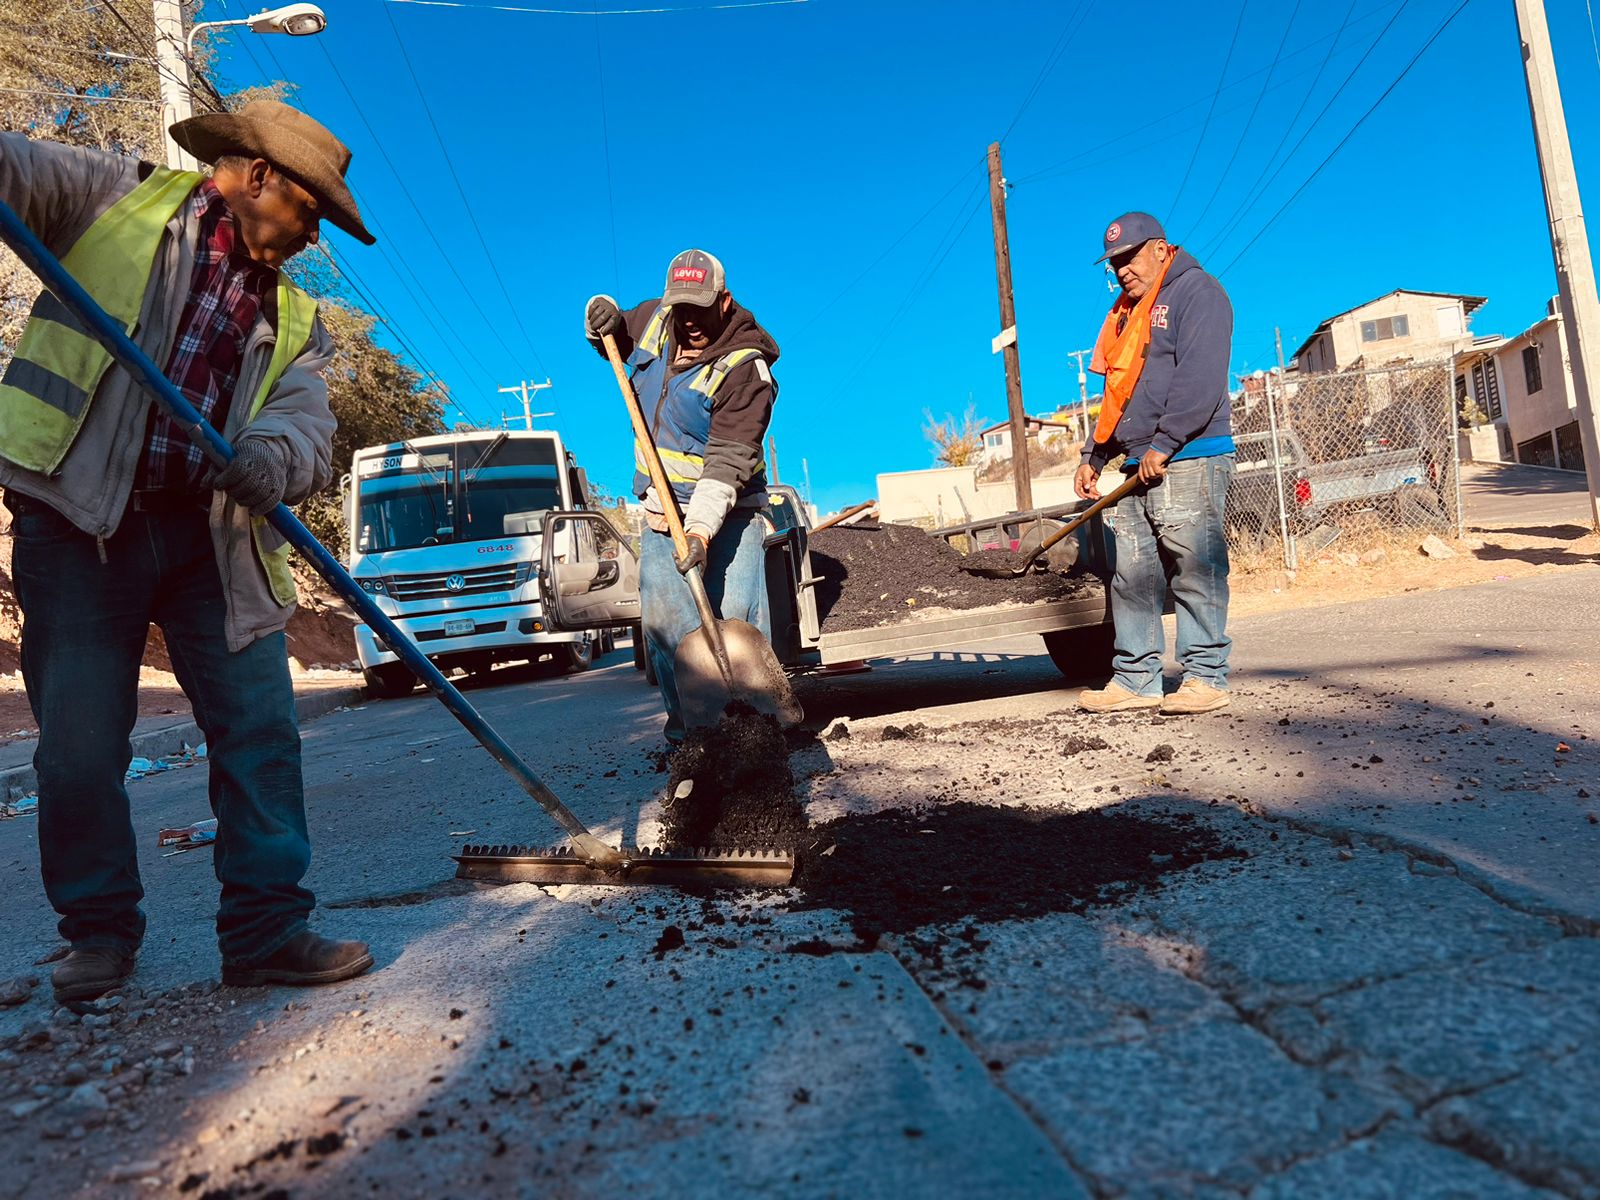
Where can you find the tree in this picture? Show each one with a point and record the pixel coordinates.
(377, 397)
(73, 72)
(956, 443)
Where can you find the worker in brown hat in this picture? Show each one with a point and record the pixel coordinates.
(119, 521)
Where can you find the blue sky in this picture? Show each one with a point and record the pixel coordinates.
(831, 153)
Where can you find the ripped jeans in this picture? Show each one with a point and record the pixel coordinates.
(1172, 533)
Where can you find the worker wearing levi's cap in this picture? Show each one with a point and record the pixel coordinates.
(702, 369)
(1164, 350)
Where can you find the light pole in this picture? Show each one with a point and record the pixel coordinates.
(174, 52)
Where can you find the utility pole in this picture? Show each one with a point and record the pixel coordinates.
(1083, 393)
(172, 65)
(1569, 243)
(805, 473)
(1007, 339)
(526, 390)
(772, 453)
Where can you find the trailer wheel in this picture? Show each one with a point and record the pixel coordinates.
(1082, 654)
(387, 681)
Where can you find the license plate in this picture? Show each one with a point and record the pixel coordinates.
(456, 628)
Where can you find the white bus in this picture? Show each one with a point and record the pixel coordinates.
(446, 533)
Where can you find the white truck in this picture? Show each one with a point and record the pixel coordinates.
(446, 533)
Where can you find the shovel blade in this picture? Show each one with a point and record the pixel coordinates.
(758, 677)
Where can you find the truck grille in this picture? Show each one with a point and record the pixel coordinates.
(474, 581)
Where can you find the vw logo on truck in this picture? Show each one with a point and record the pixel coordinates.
(456, 582)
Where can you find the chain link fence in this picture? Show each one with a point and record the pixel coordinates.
(1348, 463)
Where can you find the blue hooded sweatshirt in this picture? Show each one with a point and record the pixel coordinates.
(1180, 405)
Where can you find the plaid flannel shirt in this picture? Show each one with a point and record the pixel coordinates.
(226, 294)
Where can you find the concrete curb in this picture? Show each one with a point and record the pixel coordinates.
(157, 743)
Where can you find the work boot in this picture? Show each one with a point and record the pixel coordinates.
(1194, 696)
(305, 960)
(1114, 698)
(90, 973)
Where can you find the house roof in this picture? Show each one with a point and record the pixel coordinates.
(1472, 305)
(1030, 422)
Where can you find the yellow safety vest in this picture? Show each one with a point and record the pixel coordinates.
(58, 367)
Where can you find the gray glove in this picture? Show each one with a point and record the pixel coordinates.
(255, 478)
(601, 317)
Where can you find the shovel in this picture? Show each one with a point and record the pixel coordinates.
(722, 661)
(585, 859)
(1071, 526)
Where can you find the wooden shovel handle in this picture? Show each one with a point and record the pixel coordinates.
(1106, 501)
(854, 510)
(647, 446)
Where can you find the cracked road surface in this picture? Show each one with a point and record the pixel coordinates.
(1392, 990)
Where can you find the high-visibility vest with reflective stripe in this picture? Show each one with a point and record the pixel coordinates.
(678, 408)
(45, 395)
(52, 379)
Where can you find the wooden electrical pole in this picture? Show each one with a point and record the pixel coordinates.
(1569, 243)
(1006, 342)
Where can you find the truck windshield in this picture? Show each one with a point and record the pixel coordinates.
(506, 487)
(473, 491)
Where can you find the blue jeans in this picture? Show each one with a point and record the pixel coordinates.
(83, 635)
(735, 575)
(1172, 533)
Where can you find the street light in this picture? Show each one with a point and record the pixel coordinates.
(175, 52)
(297, 20)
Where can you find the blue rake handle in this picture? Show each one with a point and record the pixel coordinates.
(109, 334)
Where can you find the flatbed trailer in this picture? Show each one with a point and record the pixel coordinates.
(1076, 631)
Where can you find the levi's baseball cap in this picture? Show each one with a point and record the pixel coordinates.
(694, 277)
(1129, 232)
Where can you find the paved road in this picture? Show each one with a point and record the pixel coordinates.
(1394, 990)
(1530, 497)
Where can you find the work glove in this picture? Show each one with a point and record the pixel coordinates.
(255, 478)
(602, 317)
(694, 556)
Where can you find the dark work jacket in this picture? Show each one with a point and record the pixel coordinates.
(1181, 399)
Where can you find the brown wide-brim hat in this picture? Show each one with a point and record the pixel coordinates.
(288, 139)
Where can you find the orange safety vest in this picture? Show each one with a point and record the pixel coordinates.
(1120, 350)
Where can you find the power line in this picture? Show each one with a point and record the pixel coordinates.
(1288, 129)
(422, 292)
(92, 99)
(1122, 135)
(216, 101)
(942, 248)
(605, 141)
(1222, 79)
(466, 204)
(1342, 141)
(381, 316)
(1072, 25)
(405, 191)
(1593, 39)
(614, 12)
(1254, 194)
(870, 267)
(1251, 119)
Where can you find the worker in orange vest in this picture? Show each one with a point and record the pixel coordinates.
(1164, 350)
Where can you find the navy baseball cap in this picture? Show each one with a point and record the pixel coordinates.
(1129, 232)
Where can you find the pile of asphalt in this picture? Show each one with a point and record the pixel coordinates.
(729, 787)
(907, 868)
(878, 574)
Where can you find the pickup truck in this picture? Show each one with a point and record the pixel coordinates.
(1076, 631)
(1400, 483)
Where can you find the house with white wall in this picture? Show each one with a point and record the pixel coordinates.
(1522, 386)
(1399, 327)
